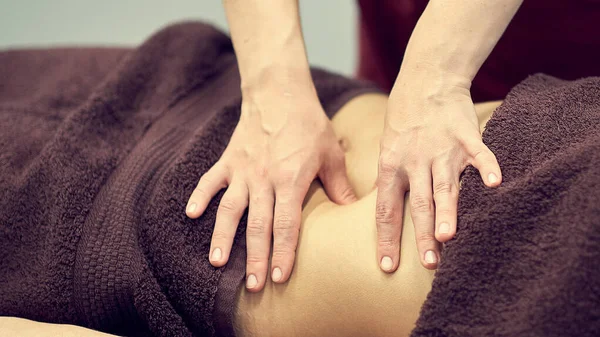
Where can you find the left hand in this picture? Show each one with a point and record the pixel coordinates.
(431, 134)
(280, 145)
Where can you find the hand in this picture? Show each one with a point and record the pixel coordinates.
(281, 143)
(431, 134)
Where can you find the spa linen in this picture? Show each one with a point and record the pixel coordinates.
(525, 258)
(100, 149)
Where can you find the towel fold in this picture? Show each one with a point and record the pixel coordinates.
(524, 260)
(99, 151)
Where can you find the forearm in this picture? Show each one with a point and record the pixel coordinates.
(268, 41)
(454, 37)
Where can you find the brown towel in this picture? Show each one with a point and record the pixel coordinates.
(525, 258)
(99, 151)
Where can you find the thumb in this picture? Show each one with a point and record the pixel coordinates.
(485, 161)
(336, 183)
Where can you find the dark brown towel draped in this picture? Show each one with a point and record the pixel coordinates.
(99, 151)
(525, 258)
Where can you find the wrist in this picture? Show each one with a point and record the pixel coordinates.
(278, 79)
(428, 81)
(277, 60)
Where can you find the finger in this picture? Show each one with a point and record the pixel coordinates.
(485, 161)
(335, 181)
(258, 236)
(421, 209)
(388, 217)
(230, 211)
(286, 227)
(445, 195)
(210, 183)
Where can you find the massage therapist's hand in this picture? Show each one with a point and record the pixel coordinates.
(431, 134)
(281, 143)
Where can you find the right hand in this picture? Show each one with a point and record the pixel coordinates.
(281, 143)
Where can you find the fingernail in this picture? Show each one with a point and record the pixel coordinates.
(276, 274)
(430, 257)
(444, 228)
(386, 263)
(192, 207)
(216, 254)
(492, 178)
(251, 282)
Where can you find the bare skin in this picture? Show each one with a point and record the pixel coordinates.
(13, 326)
(283, 140)
(431, 130)
(336, 289)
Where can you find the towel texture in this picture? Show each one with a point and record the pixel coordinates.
(524, 260)
(99, 151)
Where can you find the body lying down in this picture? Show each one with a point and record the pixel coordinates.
(103, 148)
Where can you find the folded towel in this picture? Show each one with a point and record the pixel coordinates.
(99, 151)
(524, 260)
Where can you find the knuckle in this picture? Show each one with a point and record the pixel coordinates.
(443, 188)
(386, 242)
(200, 192)
(425, 237)
(282, 253)
(260, 194)
(261, 171)
(284, 222)
(205, 180)
(284, 197)
(444, 213)
(286, 176)
(387, 167)
(421, 204)
(257, 226)
(481, 153)
(220, 235)
(383, 180)
(287, 236)
(476, 155)
(384, 214)
(228, 206)
(255, 198)
(254, 259)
